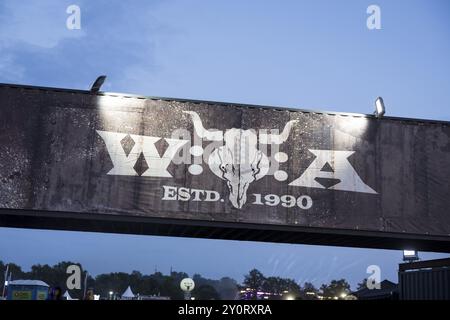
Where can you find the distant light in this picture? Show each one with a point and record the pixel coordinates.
(310, 293)
(343, 295)
(192, 298)
(379, 107)
(6, 283)
(111, 293)
(285, 291)
(98, 84)
(290, 297)
(410, 255)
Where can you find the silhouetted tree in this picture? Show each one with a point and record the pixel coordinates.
(273, 285)
(362, 284)
(307, 289)
(292, 287)
(154, 284)
(171, 288)
(205, 292)
(2, 272)
(254, 280)
(281, 286)
(14, 269)
(2, 276)
(227, 288)
(336, 288)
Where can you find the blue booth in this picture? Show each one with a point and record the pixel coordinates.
(27, 290)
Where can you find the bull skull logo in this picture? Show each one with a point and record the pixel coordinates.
(239, 161)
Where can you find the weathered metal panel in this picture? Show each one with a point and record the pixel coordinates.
(72, 151)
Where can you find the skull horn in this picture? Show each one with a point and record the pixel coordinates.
(202, 132)
(265, 138)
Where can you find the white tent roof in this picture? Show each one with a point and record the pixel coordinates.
(128, 293)
(28, 283)
(67, 295)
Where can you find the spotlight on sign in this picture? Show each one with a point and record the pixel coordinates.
(379, 107)
(98, 84)
(410, 255)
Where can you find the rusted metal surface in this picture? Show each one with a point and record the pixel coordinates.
(54, 158)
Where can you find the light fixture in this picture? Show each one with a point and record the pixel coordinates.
(410, 255)
(379, 107)
(98, 84)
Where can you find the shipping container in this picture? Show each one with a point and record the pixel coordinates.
(425, 280)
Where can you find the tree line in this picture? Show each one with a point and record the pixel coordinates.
(158, 284)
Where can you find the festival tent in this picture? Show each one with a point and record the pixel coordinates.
(128, 294)
(67, 296)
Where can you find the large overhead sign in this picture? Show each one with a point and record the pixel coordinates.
(67, 153)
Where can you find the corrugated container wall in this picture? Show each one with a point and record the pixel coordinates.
(429, 284)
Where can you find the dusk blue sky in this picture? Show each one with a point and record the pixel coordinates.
(299, 54)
